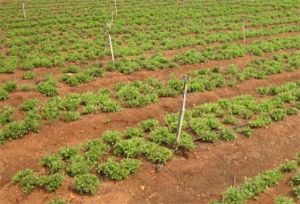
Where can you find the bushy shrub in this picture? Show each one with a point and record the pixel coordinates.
(227, 134)
(289, 166)
(78, 165)
(26, 179)
(148, 125)
(29, 105)
(94, 149)
(3, 94)
(47, 86)
(71, 116)
(132, 132)
(29, 75)
(246, 131)
(50, 182)
(53, 163)
(6, 115)
(86, 183)
(296, 179)
(296, 191)
(68, 152)
(284, 200)
(118, 170)
(51, 109)
(111, 137)
(10, 86)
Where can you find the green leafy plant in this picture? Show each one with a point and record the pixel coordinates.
(111, 137)
(29, 105)
(29, 75)
(53, 163)
(118, 171)
(6, 115)
(86, 183)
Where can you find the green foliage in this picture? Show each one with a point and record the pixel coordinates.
(26, 87)
(9, 86)
(111, 137)
(138, 93)
(251, 187)
(29, 105)
(47, 86)
(78, 165)
(3, 94)
(26, 179)
(51, 109)
(71, 116)
(94, 149)
(260, 121)
(118, 170)
(284, 200)
(296, 179)
(71, 69)
(246, 131)
(86, 183)
(163, 136)
(132, 132)
(135, 147)
(53, 162)
(68, 152)
(148, 125)
(58, 201)
(29, 75)
(51, 182)
(227, 134)
(296, 191)
(278, 114)
(289, 166)
(6, 115)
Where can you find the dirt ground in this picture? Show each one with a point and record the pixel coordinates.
(196, 178)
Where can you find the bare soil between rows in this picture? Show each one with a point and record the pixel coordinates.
(197, 179)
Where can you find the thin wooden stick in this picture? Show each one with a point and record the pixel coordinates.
(24, 12)
(181, 114)
(111, 48)
(116, 7)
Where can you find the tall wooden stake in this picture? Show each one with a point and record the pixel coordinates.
(244, 31)
(116, 7)
(24, 12)
(181, 113)
(111, 48)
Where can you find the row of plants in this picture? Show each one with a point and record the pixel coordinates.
(118, 154)
(253, 187)
(67, 108)
(141, 93)
(294, 194)
(50, 51)
(6, 88)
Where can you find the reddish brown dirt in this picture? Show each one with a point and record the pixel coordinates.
(58, 134)
(209, 170)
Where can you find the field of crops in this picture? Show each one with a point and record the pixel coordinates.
(90, 95)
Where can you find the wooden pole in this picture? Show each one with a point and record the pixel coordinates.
(181, 113)
(244, 31)
(24, 12)
(111, 48)
(116, 7)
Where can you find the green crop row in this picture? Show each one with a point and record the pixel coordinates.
(253, 187)
(153, 141)
(142, 93)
